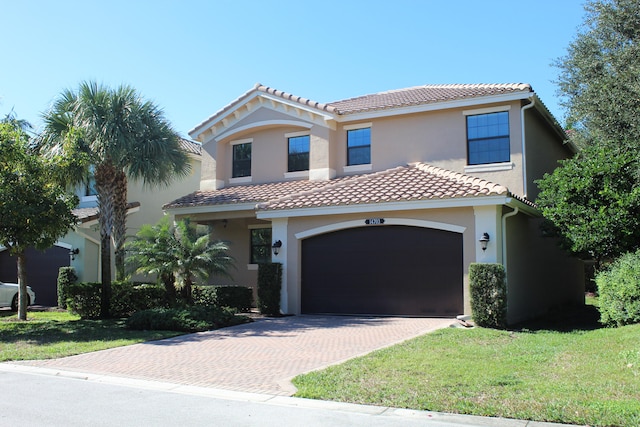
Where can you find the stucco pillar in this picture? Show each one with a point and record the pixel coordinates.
(487, 220)
(279, 232)
(320, 155)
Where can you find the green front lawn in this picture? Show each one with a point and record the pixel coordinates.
(580, 376)
(52, 334)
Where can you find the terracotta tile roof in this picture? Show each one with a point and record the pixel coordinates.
(417, 95)
(417, 181)
(241, 194)
(93, 213)
(420, 95)
(190, 147)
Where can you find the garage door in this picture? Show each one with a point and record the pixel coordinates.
(388, 270)
(42, 272)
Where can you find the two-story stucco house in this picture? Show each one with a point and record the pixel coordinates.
(378, 204)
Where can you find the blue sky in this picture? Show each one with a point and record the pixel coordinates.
(194, 57)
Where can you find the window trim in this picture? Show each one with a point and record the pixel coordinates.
(246, 178)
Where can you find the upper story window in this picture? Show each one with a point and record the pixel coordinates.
(488, 138)
(358, 146)
(241, 160)
(298, 158)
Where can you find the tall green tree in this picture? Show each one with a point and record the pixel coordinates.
(123, 137)
(35, 210)
(593, 199)
(178, 254)
(599, 80)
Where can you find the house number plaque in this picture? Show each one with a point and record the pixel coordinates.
(374, 221)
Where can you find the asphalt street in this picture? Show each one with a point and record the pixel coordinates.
(35, 397)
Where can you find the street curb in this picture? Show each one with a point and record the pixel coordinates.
(428, 416)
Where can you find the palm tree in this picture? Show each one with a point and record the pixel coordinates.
(178, 255)
(123, 137)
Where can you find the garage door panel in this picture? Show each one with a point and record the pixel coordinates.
(383, 270)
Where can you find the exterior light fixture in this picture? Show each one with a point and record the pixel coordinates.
(73, 253)
(276, 247)
(484, 240)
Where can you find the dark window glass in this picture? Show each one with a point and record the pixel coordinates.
(260, 245)
(241, 160)
(359, 146)
(298, 153)
(488, 138)
(90, 187)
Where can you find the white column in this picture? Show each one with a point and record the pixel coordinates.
(279, 232)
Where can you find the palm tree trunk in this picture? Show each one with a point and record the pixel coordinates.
(105, 175)
(22, 285)
(120, 222)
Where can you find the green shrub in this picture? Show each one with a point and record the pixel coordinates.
(190, 319)
(83, 299)
(488, 295)
(66, 277)
(237, 297)
(269, 285)
(619, 291)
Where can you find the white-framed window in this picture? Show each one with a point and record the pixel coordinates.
(298, 147)
(241, 158)
(488, 137)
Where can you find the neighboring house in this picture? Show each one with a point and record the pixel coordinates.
(80, 248)
(379, 203)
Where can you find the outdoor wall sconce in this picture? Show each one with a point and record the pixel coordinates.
(73, 253)
(276, 247)
(484, 240)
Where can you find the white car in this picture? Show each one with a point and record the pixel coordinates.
(9, 295)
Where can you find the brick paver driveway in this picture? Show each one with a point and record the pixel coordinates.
(259, 357)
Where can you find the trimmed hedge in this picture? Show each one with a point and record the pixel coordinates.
(269, 286)
(190, 319)
(619, 291)
(66, 278)
(237, 297)
(488, 287)
(127, 298)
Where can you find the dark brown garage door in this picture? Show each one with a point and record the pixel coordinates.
(385, 270)
(42, 272)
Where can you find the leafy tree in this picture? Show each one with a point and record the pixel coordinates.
(178, 255)
(593, 199)
(599, 79)
(34, 209)
(123, 137)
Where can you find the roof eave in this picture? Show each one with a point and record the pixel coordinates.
(385, 207)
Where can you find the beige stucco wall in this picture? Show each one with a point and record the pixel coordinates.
(435, 137)
(540, 276)
(544, 148)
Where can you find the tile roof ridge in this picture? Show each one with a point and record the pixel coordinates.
(491, 187)
(297, 99)
(335, 183)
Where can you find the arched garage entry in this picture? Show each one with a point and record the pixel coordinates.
(388, 270)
